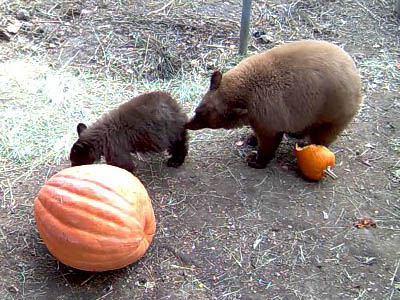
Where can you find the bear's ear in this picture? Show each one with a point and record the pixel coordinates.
(216, 78)
(80, 128)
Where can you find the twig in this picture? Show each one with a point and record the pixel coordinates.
(187, 259)
(145, 55)
(338, 246)
(64, 66)
(105, 295)
(160, 9)
(349, 198)
(340, 216)
(237, 181)
(233, 256)
(182, 268)
(87, 280)
(262, 181)
(395, 272)
(368, 11)
(231, 293)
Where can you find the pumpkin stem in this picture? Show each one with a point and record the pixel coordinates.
(297, 147)
(328, 171)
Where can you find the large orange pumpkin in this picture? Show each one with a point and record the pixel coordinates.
(315, 161)
(95, 217)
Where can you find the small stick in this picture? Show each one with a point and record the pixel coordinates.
(87, 280)
(262, 181)
(160, 9)
(395, 272)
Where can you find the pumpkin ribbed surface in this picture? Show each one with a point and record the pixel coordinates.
(95, 217)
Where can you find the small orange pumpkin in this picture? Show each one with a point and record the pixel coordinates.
(315, 161)
(95, 217)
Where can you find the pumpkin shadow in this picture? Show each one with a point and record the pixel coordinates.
(78, 278)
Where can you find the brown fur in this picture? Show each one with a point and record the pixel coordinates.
(303, 88)
(151, 122)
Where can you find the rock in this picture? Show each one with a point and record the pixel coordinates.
(4, 36)
(14, 27)
(23, 15)
(73, 11)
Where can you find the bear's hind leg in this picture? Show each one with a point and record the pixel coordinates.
(178, 150)
(325, 134)
(267, 145)
(120, 159)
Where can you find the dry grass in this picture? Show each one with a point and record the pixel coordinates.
(144, 41)
(43, 128)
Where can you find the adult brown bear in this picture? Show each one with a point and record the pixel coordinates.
(151, 122)
(302, 88)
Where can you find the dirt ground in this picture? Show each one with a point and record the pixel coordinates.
(224, 230)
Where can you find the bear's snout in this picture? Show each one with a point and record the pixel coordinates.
(194, 124)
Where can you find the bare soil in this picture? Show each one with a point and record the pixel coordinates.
(224, 230)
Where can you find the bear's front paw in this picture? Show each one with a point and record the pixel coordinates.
(174, 163)
(254, 161)
(251, 141)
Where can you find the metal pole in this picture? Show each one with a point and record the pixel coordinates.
(398, 9)
(245, 27)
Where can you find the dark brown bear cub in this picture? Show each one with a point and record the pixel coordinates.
(151, 122)
(303, 88)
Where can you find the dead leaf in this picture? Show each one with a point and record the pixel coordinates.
(365, 222)
(239, 143)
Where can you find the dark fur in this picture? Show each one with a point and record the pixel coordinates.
(151, 122)
(303, 88)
